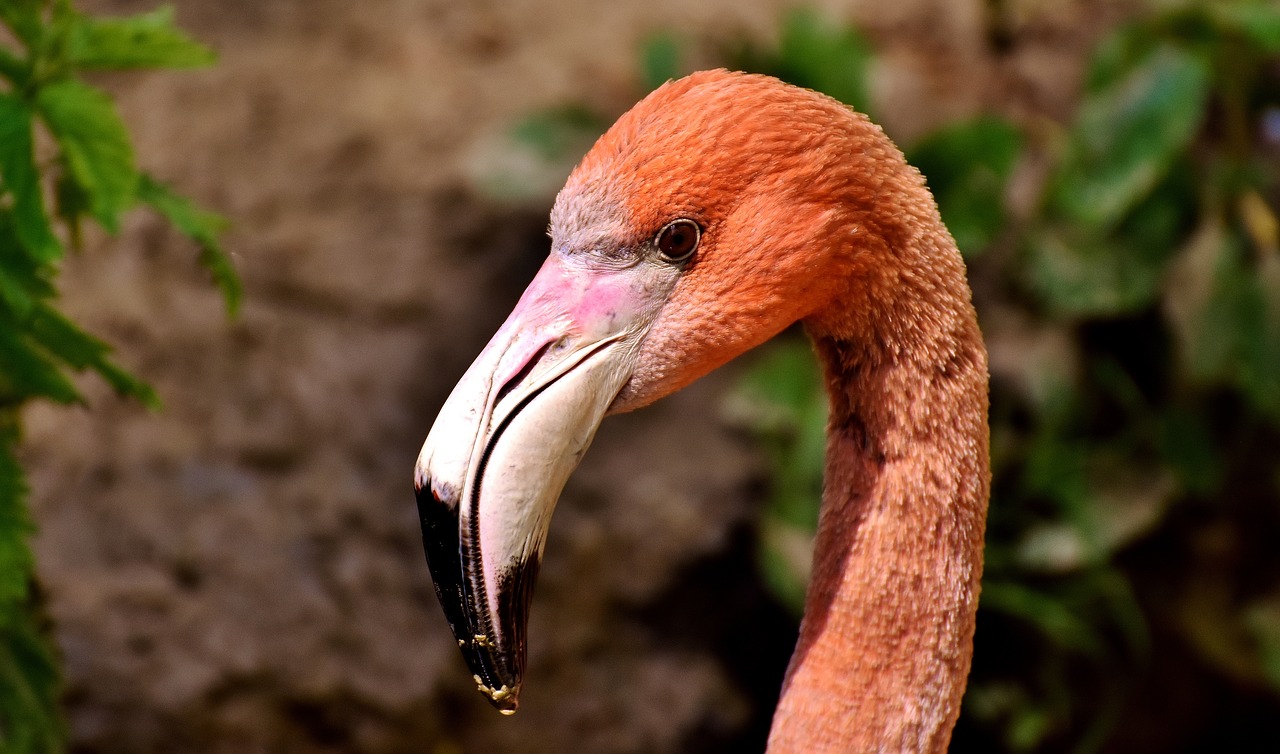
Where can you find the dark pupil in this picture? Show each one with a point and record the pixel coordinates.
(677, 240)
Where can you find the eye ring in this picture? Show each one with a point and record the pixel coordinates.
(678, 239)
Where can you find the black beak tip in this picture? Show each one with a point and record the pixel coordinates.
(439, 521)
(497, 672)
(495, 677)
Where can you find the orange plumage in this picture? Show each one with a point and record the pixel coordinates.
(807, 213)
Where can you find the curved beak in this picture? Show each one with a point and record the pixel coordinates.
(505, 442)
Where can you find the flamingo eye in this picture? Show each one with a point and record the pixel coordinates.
(678, 240)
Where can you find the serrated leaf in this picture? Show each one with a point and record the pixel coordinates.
(14, 291)
(22, 181)
(30, 686)
(201, 226)
(1128, 135)
(14, 296)
(149, 40)
(95, 146)
(22, 279)
(224, 274)
(967, 166)
(80, 350)
(73, 346)
(27, 373)
(15, 525)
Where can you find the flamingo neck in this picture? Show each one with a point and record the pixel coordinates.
(887, 636)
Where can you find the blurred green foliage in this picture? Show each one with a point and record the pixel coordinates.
(1126, 268)
(1133, 312)
(63, 144)
(814, 54)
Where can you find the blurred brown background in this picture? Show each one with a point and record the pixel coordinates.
(242, 572)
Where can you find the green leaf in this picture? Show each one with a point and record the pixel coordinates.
(1213, 332)
(782, 402)
(22, 279)
(1189, 448)
(1128, 135)
(1262, 622)
(1053, 618)
(95, 146)
(1079, 275)
(1259, 367)
(15, 525)
(660, 60)
(30, 687)
(201, 226)
(786, 558)
(967, 166)
(28, 679)
(1259, 23)
(27, 373)
(1116, 56)
(13, 69)
(784, 376)
(80, 351)
(1082, 272)
(1223, 307)
(1030, 726)
(149, 40)
(71, 204)
(826, 58)
(558, 132)
(14, 296)
(18, 169)
(23, 19)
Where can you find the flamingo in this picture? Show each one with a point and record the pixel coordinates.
(718, 211)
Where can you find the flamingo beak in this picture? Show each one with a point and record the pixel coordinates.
(505, 442)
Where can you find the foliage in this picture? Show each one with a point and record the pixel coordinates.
(65, 157)
(1130, 299)
(815, 54)
(1139, 385)
(782, 402)
(968, 165)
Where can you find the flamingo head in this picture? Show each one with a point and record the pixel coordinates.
(703, 223)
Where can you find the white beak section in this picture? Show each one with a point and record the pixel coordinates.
(506, 441)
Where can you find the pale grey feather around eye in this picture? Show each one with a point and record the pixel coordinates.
(677, 240)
